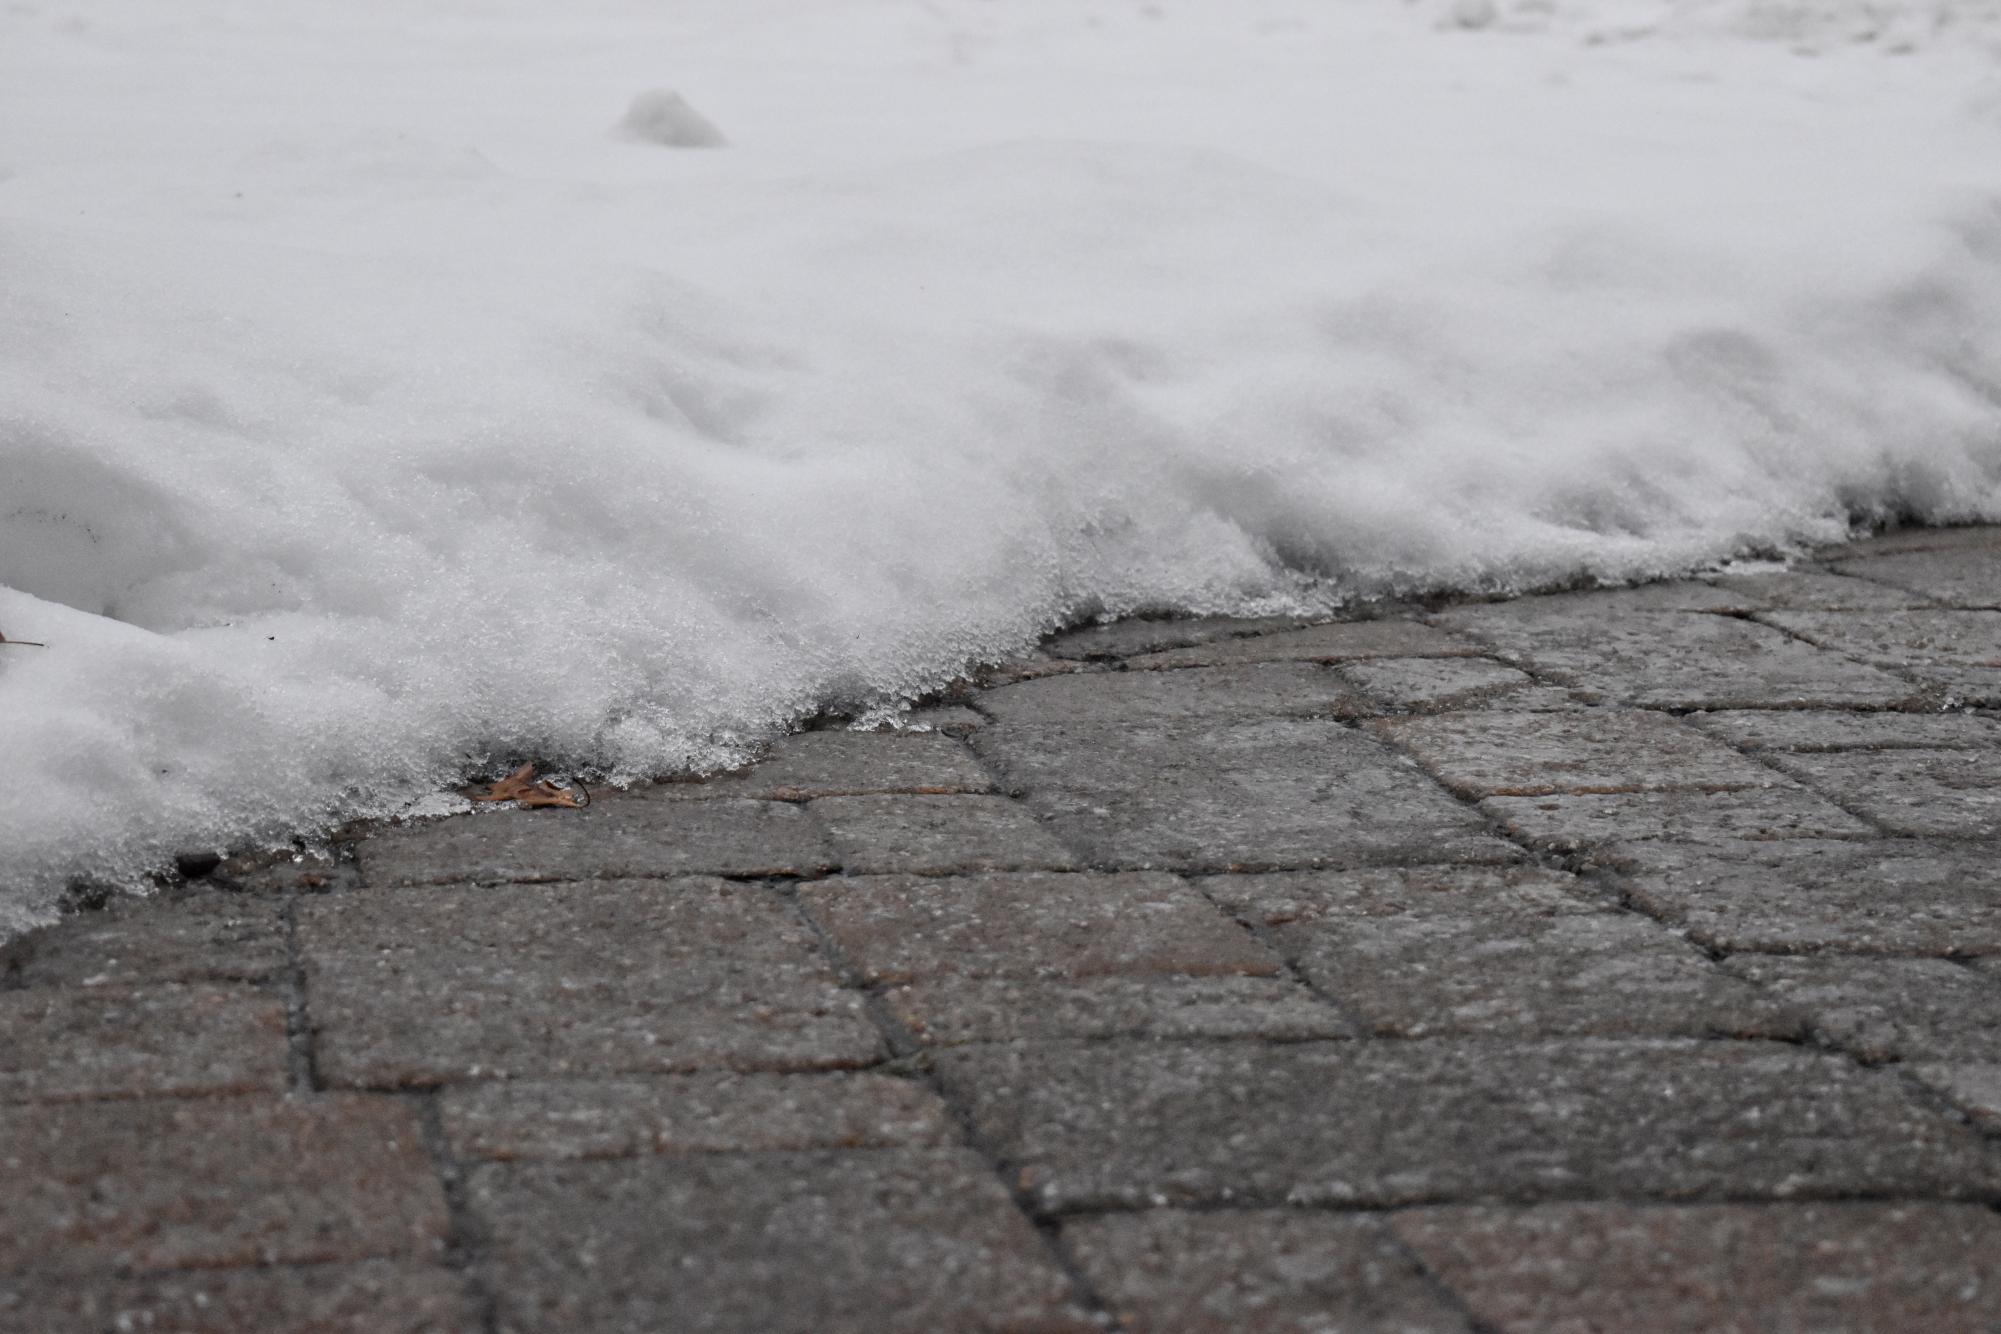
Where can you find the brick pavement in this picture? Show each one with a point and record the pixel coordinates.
(1621, 960)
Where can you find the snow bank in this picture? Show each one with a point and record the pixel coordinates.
(368, 414)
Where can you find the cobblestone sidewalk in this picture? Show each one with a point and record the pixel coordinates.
(1611, 961)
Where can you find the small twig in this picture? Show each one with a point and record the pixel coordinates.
(26, 643)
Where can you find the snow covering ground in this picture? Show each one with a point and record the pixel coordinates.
(389, 390)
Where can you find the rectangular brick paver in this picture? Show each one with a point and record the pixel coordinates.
(1958, 652)
(1832, 729)
(1884, 896)
(216, 1181)
(1949, 793)
(1889, 1009)
(1258, 690)
(1135, 636)
(62, 1043)
(620, 836)
(917, 1240)
(900, 929)
(1096, 1125)
(421, 986)
(1591, 750)
(1428, 685)
(1414, 953)
(1965, 578)
(1246, 794)
(1007, 1009)
(1665, 659)
(1860, 1268)
(1567, 822)
(838, 764)
(1345, 641)
(205, 937)
(927, 835)
(703, 1113)
(1169, 1271)
(373, 1297)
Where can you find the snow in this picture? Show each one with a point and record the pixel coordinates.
(377, 406)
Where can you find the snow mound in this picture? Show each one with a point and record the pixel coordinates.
(408, 427)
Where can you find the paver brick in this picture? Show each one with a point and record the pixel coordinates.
(373, 1297)
(1889, 1009)
(617, 838)
(839, 764)
(167, 1184)
(1812, 590)
(1950, 793)
(1964, 578)
(1853, 1267)
(917, 1240)
(1258, 690)
(1801, 895)
(1341, 641)
(63, 1043)
(204, 937)
(923, 835)
(900, 929)
(702, 1113)
(426, 985)
(1235, 795)
(1415, 953)
(1008, 1009)
(1825, 729)
(1956, 651)
(1432, 684)
(1974, 1088)
(1134, 636)
(1666, 659)
(1592, 750)
(1169, 1271)
(954, 720)
(1120, 1125)
(1975, 537)
(1567, 822)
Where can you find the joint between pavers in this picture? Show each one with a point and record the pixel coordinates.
(465, 1240)
(302, 1056)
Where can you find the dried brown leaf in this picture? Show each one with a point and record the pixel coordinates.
(522, 786)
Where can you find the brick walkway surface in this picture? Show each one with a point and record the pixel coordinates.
(1622, 961)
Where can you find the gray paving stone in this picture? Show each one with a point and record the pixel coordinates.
(1593, 750)
(1958, 652)
(1889, 1009)
(892, 1240)
(922, 835)
(1974, 1088)
(1806, 895)
(1949, 793)
(199, 938)
(1256, 690)
(1813, 590)
(1857, 1268)
(1968, 538)
(1122, 1125)
(1432, 684)
(1565, 822)
(374, 1297)
(1822, 729)
(901, 929)
(1964, 578)
(955, 720)
(206, 1182)
(1342, 641)
(705, 1113)
(63, 1043)
(1676, 659)
(1416, 953)
(1237, 795)
(428, 985)
(617, 838)
(1009, 1009)
(1134, 636)
(839, 764)
(1169, 1271)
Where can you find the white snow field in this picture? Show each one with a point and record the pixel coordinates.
(390, 390)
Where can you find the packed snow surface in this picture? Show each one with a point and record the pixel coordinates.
(386, 393)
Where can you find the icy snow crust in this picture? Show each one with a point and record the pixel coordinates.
(374, 407)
